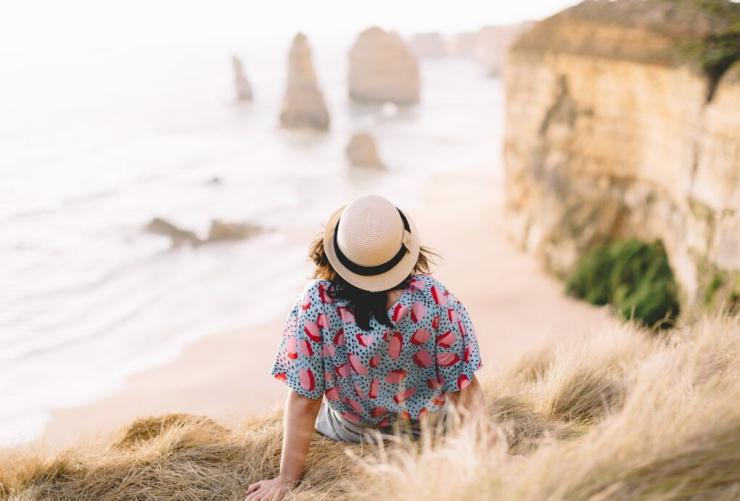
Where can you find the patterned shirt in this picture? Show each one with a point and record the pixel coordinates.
(374, 376)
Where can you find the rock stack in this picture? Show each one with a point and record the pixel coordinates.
(383, 69)
(493, 43)
(429, 45)
(243, 89)
(303, 104)
(363, 152)
(464, 44)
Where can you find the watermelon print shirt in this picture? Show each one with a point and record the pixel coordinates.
(378, 375)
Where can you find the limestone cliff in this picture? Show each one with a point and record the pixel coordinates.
(620, 124)
(383, 69)
(303, 104)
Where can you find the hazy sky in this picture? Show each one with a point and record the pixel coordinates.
(92, 23)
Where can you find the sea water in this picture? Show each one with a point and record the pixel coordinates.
(94, 143)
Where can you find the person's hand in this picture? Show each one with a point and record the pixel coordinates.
(269, 490)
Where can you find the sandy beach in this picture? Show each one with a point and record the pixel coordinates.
(513, 304)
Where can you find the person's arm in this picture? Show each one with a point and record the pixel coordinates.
(298, 425)
(458, 357)
(470, 400)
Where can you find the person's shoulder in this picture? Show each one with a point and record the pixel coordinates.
(422, 281)
(316, 291)
(428, 284)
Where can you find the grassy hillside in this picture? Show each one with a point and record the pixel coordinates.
(621, 414)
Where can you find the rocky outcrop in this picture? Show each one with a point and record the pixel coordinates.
(303, 104)
(224, 230)
(177, 236)
(383, 69)
(613, 130)
(429, 45)
(363, 152)
(219, 231)
(243, 89)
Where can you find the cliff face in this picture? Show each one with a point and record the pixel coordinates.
(611, 132)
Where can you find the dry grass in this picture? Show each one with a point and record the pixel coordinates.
(619, 415)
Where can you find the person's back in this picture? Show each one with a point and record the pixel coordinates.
(374, 376)
(374, 341)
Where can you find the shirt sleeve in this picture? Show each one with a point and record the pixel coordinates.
(299, 361)
(457, 351)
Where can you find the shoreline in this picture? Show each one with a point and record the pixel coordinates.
(209, 377)
(513, 304)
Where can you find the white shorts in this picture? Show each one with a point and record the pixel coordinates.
(332, 425)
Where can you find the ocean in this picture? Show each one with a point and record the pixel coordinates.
(94, 143)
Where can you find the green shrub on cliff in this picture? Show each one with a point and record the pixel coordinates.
(714, 55)
(721, 291)
(635, 277)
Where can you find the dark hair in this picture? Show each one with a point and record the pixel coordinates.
(363, 304)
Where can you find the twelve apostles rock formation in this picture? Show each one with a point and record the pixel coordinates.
(383, 69)
(243, 89)
(363, 152)
(429, 44)
(463, 44)
(303, 103)
(610, 133)
(488, 46)
(492, 44)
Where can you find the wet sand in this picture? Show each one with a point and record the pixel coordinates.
(513, 304)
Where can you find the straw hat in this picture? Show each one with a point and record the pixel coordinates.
(371, 243)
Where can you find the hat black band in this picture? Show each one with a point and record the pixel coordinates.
(371, 270)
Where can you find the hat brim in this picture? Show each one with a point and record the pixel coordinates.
(373, 283)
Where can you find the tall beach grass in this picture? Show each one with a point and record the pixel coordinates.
(620, 414)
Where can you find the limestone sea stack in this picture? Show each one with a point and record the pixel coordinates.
(488, 46)
(429, 45)
(363, 152)
(463, 44)
(303, 104)
(493, 43)
(615, 129)
(383, 69)
(243, 89)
